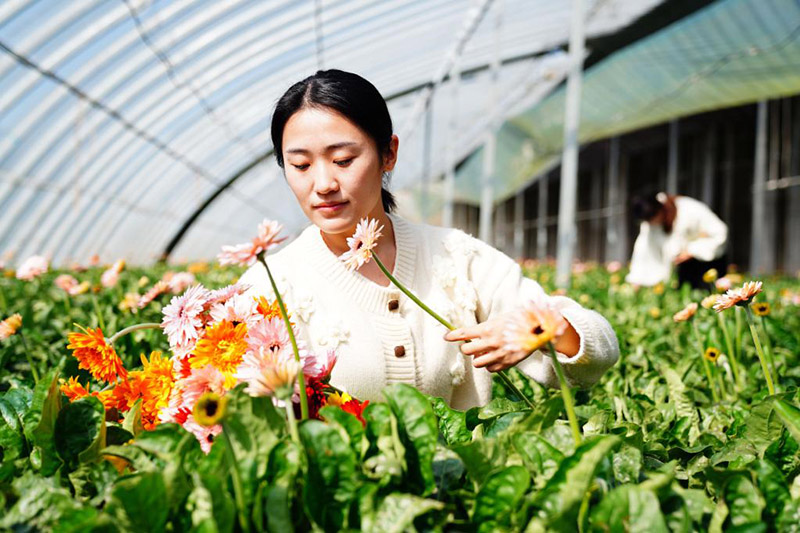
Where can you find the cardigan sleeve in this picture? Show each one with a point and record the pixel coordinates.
(709, 237)
(502, 288)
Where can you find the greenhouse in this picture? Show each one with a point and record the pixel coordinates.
(400, 265)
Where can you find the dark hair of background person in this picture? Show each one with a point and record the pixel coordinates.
(645, 207)
(347, 93)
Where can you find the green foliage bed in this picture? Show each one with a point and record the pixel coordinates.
(658, 453)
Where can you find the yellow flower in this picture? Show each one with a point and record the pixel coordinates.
(584, 299)
(760, 308)
(615, 279)
(655, 312)
(709, 301)
(711, 354)
(659, 289)
(222, 346)
(710, 275)
(143, 282)
(199, 267)
(338, 399)
(209, 409)
(10, 325)
(95, 355)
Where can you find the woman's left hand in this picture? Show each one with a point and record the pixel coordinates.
(488, 347)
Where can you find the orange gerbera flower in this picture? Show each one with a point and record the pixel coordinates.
(268, 309)
(686, 313)
(155, 388)
(95, 355)
(222, 346)
(73, 389)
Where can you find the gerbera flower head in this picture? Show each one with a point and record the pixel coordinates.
(723, 284)
(711, 354)
(740, 296)
(710, 275)
(209, 409)
(32, 268)
(81, 288)
(96, 355)
(355, 408)
(130, 302)
(73, 389)
(361, 244)
(268, 309)
(686, 313)
(220, 296)
(534, 326)
(110, 277)
(65, 282)
(10, 325)
(237, 309)
(760, 308)
(179, 282)
(654, 312)
(709, 301)
(247, 253)
(223, 346)
(182, 322)
(156, 382)
(198, 382)
(155, 291)
(319, 367)
(205, 434)
(268, 373)
(315, 393)
(269, 334)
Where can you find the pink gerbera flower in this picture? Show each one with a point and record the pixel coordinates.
(361, 244)
(319, 367)
(246, 254)
(237, 309)
(179, 282)
(740, 296)
(270, 334)
(111, 275)
(32, 268)
(220, 296)
(155, 291)
(65, 282)
(266, 371)
(533, 327)
(182, 321)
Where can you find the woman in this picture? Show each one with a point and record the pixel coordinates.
(333, 137)
(680, 231)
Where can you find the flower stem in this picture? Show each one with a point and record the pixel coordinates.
(566, 395)
(503, 376)
(737, 315)
(761, 357)
(301, 381)
(131, 329)
(290, 420)
(729, 345)
(770, 353)
(29, 357)
(238, 490)
(408, 293)
(700, 346)
(100, 322)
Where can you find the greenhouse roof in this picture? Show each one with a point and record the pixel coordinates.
(122, 120)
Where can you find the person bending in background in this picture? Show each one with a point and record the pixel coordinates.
(679, 231)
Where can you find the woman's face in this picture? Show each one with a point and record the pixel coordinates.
(334, 169)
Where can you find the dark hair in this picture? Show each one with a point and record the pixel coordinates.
(347, 93)
(645, 207)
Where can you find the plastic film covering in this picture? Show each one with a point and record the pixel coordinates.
(120, 118)
(731, 53)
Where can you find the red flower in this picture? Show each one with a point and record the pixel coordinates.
(315, 391)
(354, 407)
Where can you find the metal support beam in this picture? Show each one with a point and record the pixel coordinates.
(792, 246)
(489, 152)
(519, 225)
(541, 219)
(427, 141)
(709, 166)
(758, 238)
(569, 164)
(672, 161)
(450, 148)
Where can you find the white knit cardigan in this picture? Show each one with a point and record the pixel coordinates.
(382, 337)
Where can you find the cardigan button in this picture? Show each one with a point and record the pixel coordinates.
(399, 351)
(394, 305)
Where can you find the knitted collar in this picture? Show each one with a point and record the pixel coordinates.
(369, 295)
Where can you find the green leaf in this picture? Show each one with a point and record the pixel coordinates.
(418, 432)
(539, 456)
(744, 501)
(482, 457)
(452, 423)
(763, 425)
(559, 500)
(44, 506)
(348, 422)
(331, 483)
(80, 431)
(627, 464)
(790, 416)
(499, 498)
(133, 419)
(138, 502)
(209, 505)
(684, 407)
(396, 513)
(12, 439)
(40, 421)
(629, 508)
(284, 467)
(778, 499)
